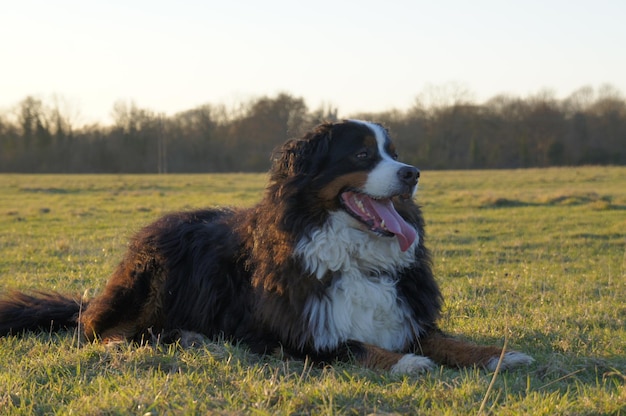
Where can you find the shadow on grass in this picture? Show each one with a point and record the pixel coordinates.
(593, 200)
(51, 190)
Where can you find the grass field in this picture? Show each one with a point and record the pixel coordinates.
(534, 256)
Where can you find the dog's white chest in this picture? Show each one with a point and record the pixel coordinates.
(363, 309)
(362, 301)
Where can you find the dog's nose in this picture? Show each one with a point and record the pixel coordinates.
(408, 175)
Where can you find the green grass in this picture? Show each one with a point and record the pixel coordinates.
(534, 256)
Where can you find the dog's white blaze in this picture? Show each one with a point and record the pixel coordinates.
(383, 179)
(362, 301)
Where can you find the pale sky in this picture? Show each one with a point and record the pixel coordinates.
(359, 56)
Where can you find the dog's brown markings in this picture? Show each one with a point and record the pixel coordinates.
(152, 311)
(370, 141)
(378, 358)
(456, 353)
(103, 317)
(122, 332)
(94, 320)
(354, 180)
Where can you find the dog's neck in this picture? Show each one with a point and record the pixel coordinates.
(342, 245)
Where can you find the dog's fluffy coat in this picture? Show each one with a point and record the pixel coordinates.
(331, 264)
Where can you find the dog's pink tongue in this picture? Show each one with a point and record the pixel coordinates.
(394, 222)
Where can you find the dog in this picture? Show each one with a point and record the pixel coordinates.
(331, 265)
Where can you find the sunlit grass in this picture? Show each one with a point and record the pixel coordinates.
(534, 256)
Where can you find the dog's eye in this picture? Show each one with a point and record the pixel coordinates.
(394, 156)
(362, 155)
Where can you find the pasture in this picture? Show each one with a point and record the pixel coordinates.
(535, 257)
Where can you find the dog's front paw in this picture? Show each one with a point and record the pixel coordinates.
(411, 363)
(511, 359)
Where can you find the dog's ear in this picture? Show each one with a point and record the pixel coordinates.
(302, 157)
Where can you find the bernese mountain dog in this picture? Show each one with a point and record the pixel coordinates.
(330, 265)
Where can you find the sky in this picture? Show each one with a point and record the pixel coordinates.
(357, 56)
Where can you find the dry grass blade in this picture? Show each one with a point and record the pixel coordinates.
(493, 377)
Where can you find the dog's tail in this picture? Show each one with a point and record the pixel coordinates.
(39, 311)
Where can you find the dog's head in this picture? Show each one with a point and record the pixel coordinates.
(351, 166)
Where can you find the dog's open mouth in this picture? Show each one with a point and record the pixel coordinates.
(380, 216)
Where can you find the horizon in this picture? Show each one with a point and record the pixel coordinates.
(432, 97)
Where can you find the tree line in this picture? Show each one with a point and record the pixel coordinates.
(440, 131)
